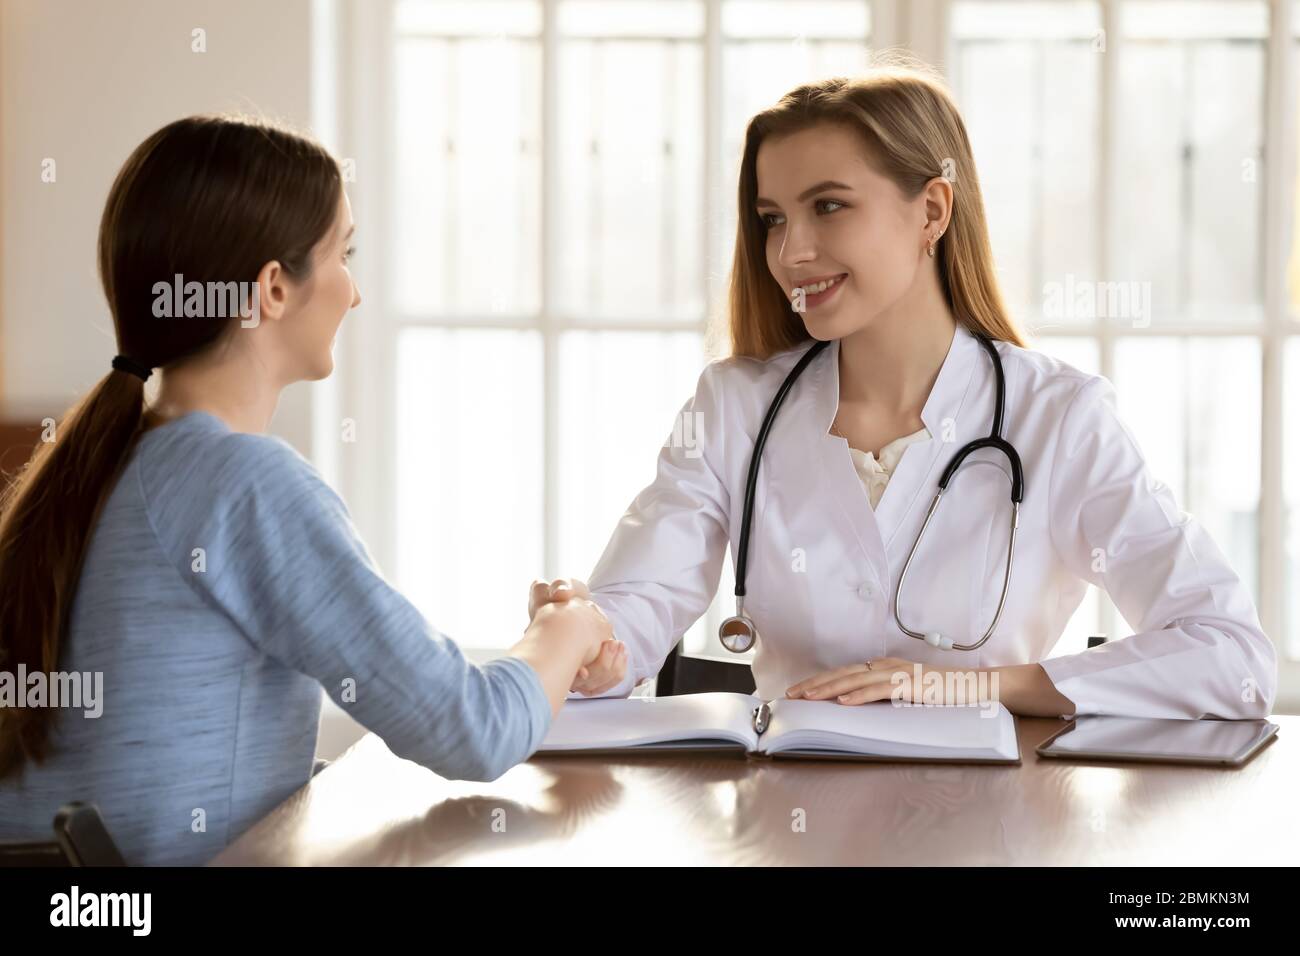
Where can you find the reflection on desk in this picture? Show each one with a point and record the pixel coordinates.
(372, 808)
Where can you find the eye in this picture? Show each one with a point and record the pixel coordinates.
(823, 207)
(349, 252)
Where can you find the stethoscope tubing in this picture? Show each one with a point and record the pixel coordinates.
(740, 623)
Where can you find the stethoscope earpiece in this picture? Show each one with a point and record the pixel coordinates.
(935, 639)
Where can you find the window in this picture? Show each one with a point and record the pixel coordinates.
(558, 191)
(1122, 149)
(564, 171)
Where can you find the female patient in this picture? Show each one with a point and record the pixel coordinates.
(201, 569)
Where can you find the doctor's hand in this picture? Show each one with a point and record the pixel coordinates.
(565, 636)
(892, 678)
(608, 668)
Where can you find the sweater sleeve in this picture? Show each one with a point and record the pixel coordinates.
(1198, 650)
(259, 534)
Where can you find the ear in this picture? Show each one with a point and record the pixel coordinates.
(272, 291)
(938, 204)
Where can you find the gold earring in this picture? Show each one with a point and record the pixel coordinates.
(930, 250)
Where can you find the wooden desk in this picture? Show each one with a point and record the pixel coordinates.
(371, 808)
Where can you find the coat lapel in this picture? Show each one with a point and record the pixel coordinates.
(917, 472)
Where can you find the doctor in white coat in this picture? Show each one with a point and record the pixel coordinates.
(862, 224)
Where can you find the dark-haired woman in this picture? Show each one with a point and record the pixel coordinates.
(200, 570)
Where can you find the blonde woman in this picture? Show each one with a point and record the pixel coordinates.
(862, 246)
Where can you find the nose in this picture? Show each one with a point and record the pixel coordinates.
(797, 245)
(356, 296)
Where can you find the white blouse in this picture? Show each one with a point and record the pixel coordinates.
(875, 472)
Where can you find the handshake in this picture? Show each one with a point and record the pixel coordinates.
(566, 603)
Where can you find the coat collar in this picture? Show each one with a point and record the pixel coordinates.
(945, 397)
(910, 482)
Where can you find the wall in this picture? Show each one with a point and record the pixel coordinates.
(83, 84)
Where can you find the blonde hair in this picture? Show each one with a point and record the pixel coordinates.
(913, 133)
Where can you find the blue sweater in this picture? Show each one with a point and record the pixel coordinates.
(213, 660)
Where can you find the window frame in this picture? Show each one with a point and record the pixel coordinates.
(1280, 322)
(365, 134)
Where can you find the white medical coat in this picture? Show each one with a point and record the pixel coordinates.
(823, 565)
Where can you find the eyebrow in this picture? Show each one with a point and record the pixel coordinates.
(351, 229)
(821, 187)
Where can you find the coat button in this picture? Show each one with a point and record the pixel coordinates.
(864, 591)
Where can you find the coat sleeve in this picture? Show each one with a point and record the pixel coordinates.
(1198, 650)
(660, 570)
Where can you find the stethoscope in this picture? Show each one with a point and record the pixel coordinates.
(739, 633)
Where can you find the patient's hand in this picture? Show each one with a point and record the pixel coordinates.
(610, 665)
(561, 589)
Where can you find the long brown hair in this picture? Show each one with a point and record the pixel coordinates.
(213, 199)
(913, 133)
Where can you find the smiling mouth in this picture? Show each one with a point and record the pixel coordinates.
(817, 293)
(818, 288)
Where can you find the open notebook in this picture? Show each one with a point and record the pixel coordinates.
(809, 729)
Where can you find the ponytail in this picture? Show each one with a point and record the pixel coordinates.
(46, 514)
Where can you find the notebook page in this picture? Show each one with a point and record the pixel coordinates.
(885, 729)
(605, 723)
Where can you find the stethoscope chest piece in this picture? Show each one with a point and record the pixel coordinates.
(738, 633)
